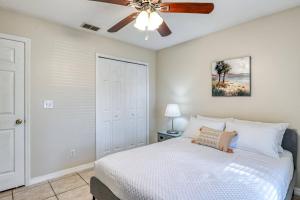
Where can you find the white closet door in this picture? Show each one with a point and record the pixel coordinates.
(121, 106)
(131, 101)
(103, 108)
(117, 84)
(141, 114)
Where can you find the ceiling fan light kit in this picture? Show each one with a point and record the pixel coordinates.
(148, 21)
(147, 17)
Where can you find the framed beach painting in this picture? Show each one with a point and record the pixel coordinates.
(231, 77)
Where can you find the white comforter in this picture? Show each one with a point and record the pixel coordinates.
(178, 170)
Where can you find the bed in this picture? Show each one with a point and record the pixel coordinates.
(177, 169)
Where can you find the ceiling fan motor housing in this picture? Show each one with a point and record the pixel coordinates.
(145, 5)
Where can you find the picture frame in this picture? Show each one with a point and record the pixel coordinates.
(231, 77)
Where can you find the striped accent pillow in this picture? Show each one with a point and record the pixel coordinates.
(214, 138)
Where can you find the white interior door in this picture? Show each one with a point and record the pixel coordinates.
(11, 114)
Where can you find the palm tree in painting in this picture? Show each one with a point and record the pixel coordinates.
(219, 69)
(226, 69)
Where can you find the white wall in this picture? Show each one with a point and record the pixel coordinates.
(63, 69)
(184, 72)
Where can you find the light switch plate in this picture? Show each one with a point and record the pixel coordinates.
(48, 104)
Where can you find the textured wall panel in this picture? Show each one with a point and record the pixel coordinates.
(63, 69)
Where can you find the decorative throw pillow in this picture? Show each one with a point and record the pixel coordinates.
(214, 138)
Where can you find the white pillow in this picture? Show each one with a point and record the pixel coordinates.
(195, 124)
(215, 119)
(233, 143)
(280, 127)
(256, 137)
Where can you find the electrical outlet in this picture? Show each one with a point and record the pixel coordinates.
(73, 153)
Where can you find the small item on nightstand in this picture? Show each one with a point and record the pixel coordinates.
(172, 111)
(164, 135)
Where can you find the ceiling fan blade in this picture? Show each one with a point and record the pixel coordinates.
(123, 23)
(201, 8)
(118, 2)
(164, 30)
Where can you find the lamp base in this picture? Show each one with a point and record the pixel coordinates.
(172, 132)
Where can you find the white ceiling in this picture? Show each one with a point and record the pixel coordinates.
(184, 27)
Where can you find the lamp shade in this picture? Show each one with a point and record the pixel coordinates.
(172, 110)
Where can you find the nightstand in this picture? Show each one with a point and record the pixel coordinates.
(163, 135)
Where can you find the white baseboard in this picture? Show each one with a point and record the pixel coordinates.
(58, 174)
(297, 191)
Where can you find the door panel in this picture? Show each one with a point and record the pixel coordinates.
(130, 106)
(142, 87)
(7, 98)
(131, 132)
(118, 141)
(106, 96)
(11, 108)
(141, 132)
(118, 133)
(103, 109)
(142, 106)
(116, 96)
(107, 130)
(131, 77)
(7, 151)
(7, 55)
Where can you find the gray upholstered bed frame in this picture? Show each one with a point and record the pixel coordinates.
(289, 142)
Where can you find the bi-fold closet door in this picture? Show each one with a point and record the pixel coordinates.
(121, 106)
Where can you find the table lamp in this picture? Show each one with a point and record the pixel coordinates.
(172, 111)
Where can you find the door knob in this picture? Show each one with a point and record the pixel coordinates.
(19, 121)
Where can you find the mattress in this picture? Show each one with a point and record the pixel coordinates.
(177, 169)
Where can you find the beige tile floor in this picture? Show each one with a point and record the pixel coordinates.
(70, 187)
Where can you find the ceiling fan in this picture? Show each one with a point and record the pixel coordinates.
(147, 18)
